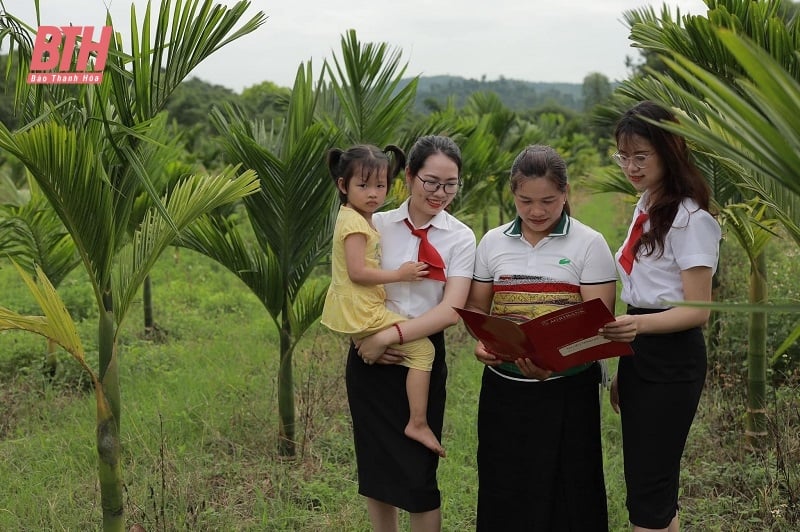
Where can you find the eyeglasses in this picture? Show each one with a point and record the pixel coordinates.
(433, 186)
(639, 160)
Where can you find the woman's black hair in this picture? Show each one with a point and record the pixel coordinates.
(431, 145)
(540, 161)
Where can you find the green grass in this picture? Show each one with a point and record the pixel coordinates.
(199, 425)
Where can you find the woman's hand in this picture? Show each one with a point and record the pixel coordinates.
(623, 329)
(614, 394)
(531, 370)
(374, 349)
(486, 357)
(391, 356)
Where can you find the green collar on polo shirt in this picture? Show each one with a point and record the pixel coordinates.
(561, 228)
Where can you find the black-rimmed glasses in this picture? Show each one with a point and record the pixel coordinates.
(433, 186)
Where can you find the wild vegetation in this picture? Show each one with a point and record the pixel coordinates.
(234, 413)
(199, 443)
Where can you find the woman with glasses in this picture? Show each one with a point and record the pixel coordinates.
(540, 462)
(395, 471)
(670, 255)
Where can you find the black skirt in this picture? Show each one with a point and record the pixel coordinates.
(658, 396)
(540, 459)
(393, 468)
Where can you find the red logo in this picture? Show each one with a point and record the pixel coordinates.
(53, 53)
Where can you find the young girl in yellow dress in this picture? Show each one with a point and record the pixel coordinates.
(355, 303)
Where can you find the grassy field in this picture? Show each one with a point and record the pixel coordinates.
(199, 419)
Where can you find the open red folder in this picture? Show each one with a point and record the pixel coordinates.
(555, 341)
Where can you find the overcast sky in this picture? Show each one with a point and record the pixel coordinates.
(533, 40)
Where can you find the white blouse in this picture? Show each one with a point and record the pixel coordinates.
(454, 241)
(692, 241)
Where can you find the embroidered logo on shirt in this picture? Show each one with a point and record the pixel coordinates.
(564, 261)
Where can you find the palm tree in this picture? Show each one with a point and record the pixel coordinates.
(498, 134)
(293, 214)
(89, 152)
(292, 217)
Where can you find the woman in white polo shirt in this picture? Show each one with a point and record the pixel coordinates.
(393, 470)
(540, 464)
(670, 254)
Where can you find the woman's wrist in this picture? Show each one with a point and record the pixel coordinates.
(386, 337)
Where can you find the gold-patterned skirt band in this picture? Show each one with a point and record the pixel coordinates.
(528, 305)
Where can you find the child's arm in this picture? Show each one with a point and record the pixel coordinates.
(355, 247)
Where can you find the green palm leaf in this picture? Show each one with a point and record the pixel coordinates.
(191, 198)
(186, 33)
(370, 102)
(32, 234)
(766, 142)
(295, 189)
(220, 239)
(68, 168)
(307, 307)
(56, 324)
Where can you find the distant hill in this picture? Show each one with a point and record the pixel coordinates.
(515, 94)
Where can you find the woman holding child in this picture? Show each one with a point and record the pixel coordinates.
(395, 471)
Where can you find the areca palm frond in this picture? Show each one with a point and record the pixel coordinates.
(611, 180)
(10, 195)
(186, 33)
(189, 200)
(751, 226)
(784, 204)
(695, 36)
(302, 112)
(32, 234)
(307, 306)
(31, 100)
(219, 238)
(763, 117)
(68, 168)
(161, 153)
(56, 324)
(370, 102)
(292, 214)
(485, 167)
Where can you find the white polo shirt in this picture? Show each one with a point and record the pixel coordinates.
(573, 253)
(454, 241)
(531, 280)
(692, 241)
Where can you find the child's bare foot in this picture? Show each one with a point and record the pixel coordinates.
(423, 434)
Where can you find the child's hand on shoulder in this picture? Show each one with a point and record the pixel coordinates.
(412, 271)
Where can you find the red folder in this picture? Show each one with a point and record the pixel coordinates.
(556, 341)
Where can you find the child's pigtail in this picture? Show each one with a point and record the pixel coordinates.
(334, 161)
(397, 162)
